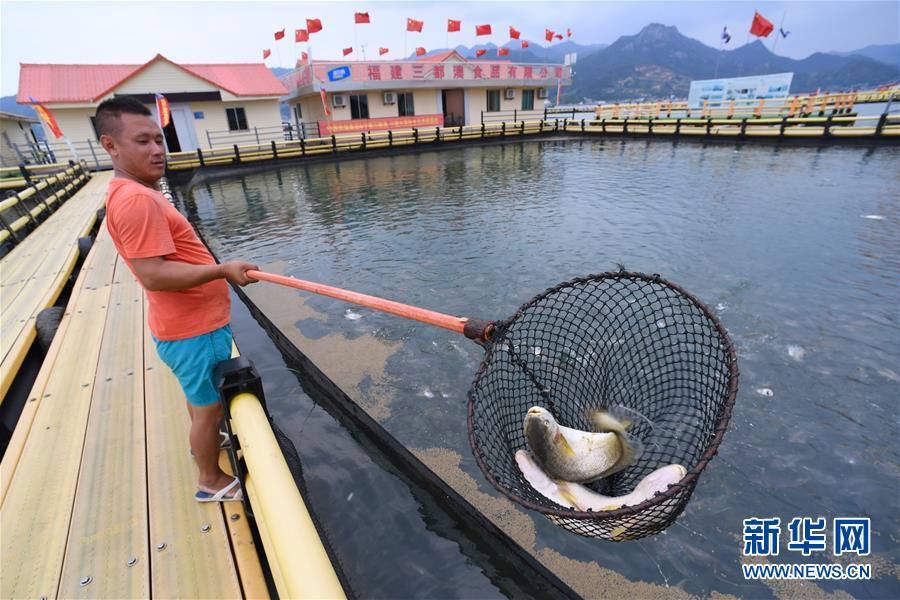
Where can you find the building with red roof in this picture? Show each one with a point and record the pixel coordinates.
(206, 100)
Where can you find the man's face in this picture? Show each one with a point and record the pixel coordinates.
(137, 147)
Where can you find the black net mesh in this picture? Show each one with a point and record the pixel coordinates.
(613, 339)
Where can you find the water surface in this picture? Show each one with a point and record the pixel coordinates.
(797, 249)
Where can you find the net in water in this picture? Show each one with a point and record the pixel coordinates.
(613, 339)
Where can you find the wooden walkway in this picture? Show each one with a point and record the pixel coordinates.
(33, 274)
(97, 484)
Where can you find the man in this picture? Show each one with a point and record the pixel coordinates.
(189, 305)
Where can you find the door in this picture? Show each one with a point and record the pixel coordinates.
(183, 120)
(454, 107)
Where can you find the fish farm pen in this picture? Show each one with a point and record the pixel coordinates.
(70, 434)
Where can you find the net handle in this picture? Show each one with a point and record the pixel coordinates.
(474, 329)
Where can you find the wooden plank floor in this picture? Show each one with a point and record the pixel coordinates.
(97, 483)
(33, 274)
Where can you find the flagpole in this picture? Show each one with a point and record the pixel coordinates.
(780, 25)
(718, 57)
(355, 40)
(278, 52)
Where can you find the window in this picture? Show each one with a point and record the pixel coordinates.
(298, 113)
(94, 125)
(527, 99)
(359, 106)
(493, 100)
(405, 104)
(237, 120)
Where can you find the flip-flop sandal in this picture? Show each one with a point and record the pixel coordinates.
(225, 443)
(221, 495)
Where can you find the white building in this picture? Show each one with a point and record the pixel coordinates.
(444, 89)
(717, 91)
(206, 100)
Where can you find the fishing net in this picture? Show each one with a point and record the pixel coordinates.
(613, 339)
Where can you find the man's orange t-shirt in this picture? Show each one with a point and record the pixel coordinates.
(143, 224)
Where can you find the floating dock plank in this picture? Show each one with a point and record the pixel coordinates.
(97, 475)
(35, 272)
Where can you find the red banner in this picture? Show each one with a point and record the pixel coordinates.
(48, 119)
(162, 110)
(761, 26)
(313, 25)
(513, 33)
(453, 25)
(414, 25)
(361, 18)
(301, 35)
(482, 30)
(381, 124)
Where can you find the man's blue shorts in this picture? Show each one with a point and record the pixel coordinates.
(193, 360)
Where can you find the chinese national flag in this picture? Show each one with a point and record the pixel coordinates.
(420, 51)
(558, 36)
(524, 43)
(347, 51)
(301, 35)
(548, 35)
(279, 35)
(761, 27)
(482, 30)
(361, 18)
(266, 54)
(480, 52)
(568, 32)
(503, 51)
(453, 25)
(314, 25)
(304, 58)
(513, 33)
(382, 51)
(47, 117)
(413, 25)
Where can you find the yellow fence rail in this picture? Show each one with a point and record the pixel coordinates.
(832, 127)
(27, 208)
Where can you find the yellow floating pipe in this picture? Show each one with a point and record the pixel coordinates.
(303, 563)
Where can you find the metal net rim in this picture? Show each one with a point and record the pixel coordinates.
(689, 481)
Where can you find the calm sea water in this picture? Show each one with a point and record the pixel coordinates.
(796, 249)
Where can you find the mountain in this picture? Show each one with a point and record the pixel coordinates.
(659, 62)
(8, 104)
(280, 71)
(889, 54)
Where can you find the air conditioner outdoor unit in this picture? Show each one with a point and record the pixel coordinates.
(339, 100)
(542, 93)
(390, 98)
(509, 94)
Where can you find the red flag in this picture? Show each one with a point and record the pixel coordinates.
(761, 27)
(480, 52)
(266, 54)
(503, 51)
(568, 32)
(513, 33)
(382, 51)
(548, 35)
(279, 35)
(301, 35)
(524, 43)
(361, 18)
(162, 110)
(47, 117)
(453, 25)
(314, 25)
(304, 58)
(482, 30)
(413, 25)
(557, 36)
(347, 51)
(420, 51)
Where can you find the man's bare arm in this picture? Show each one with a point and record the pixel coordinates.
(157, 274)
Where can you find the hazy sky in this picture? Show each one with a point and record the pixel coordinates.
(133, 32)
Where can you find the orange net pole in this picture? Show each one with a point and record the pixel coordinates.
(456, 324)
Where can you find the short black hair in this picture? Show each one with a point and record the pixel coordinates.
(109, 111)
